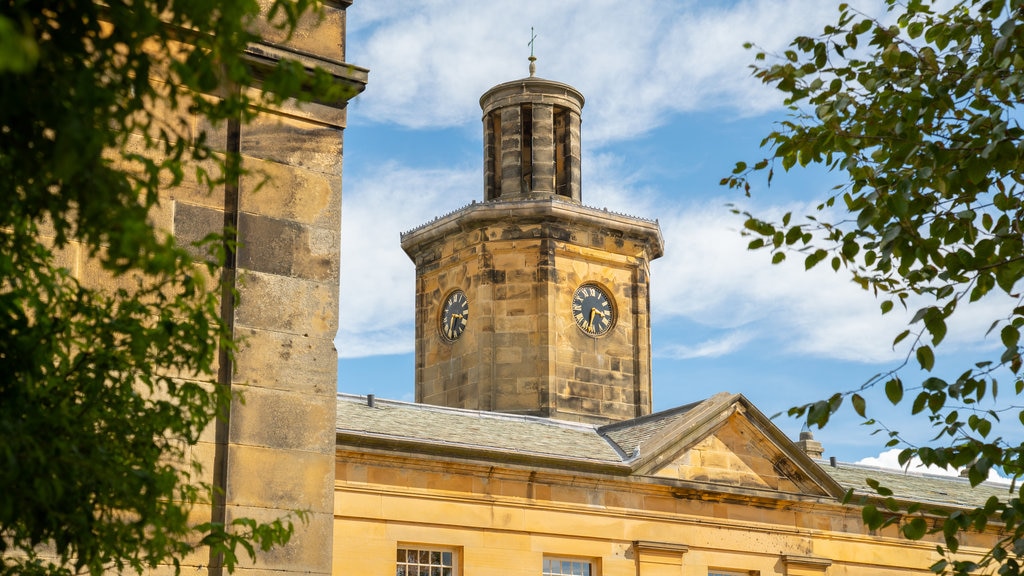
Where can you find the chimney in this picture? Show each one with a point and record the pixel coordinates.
(810, 446)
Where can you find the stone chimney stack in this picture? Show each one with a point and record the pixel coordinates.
(810, 446)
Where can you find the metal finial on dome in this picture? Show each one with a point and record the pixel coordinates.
(533, 59)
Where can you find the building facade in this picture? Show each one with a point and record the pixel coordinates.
(531, 448)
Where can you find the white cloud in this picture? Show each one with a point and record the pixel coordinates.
(889, 459)
(639, 63)
(709, 348)
(708, 276)
(377, 278)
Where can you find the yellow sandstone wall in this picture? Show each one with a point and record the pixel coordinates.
(504, 519)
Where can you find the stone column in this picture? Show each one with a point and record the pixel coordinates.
(491, 146)
(574, 157)
(511, 151)
(543, 149)
(280, 442)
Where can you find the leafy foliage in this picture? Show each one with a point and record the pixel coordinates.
(921, 110)
(103, 391)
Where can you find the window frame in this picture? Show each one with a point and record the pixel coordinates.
(420, 566)
(591, 563)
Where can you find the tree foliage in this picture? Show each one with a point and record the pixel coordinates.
(920, 109)
(103, 391)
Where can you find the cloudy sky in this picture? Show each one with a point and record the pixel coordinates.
(670, 108)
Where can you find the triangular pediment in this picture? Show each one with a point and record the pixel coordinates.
(737, 454)
(724, 441)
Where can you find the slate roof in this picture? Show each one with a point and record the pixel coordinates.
(915, 486)
(632, 434)
(453, 427)
(423, 428)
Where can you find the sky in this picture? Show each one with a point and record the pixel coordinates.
(671, 106)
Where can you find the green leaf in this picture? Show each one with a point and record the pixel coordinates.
(915, 529)
(894, 390)
(925, 357)
(858, 405)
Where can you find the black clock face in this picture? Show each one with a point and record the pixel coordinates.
(592, 310)
(454, 315)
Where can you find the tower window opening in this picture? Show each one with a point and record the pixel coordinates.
(561, 137)
(527, 149)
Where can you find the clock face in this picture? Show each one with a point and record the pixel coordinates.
(454, 315)
(592, 310)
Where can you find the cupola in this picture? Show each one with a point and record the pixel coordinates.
(531, 139)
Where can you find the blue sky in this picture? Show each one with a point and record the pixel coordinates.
(670, 108)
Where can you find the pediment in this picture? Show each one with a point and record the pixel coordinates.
(725, 441)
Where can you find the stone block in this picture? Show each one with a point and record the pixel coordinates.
(294, 142)
(308, 552)
(304, 196)
(322, 34)
(192, 223)
(508, 355)
(287, 248)
(283, 419)
(280, 479)
(286, 361)
(291, 305)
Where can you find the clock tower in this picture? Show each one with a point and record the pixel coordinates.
(530, 302)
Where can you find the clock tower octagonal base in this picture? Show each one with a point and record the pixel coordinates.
(521, 350)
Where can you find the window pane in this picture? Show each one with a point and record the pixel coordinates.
(566, 567)
(424, 562)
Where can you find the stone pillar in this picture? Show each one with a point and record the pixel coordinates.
(574, 158)
(543, 149)
(273, 453)
(280, 442)
(491, 146)
(511, 152)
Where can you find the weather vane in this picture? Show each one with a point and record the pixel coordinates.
(533, 59)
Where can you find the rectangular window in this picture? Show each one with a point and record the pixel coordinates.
(567, 567)
(424, 561)
(717, 572)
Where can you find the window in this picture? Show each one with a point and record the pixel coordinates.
(566, 567)
(422, 561)
(717, 572)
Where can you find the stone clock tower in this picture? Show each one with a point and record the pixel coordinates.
(530, 302)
